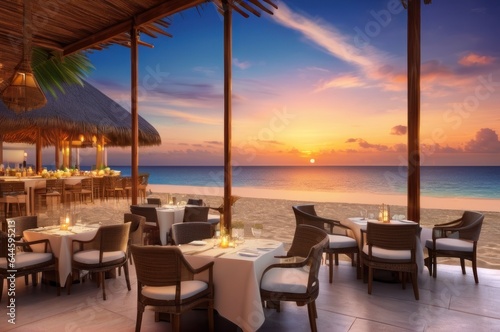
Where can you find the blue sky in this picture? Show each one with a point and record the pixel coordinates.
(322, 80)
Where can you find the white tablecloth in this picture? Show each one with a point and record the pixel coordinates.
(358, 224)
(60, 242)
(167, 216)
(237, 278)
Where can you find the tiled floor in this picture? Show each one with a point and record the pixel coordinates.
(452, 302)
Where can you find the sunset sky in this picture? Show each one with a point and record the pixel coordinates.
(318, 79)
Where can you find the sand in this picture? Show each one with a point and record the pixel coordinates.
(273, 208)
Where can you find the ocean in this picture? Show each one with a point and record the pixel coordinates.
(436, 181)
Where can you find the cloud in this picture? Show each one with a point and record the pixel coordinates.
(241, 64)
(193, 118)
(365, 145)
(207, 71)
(331, 40)
(486, 142)
(398, 130)
(474, 59)
(345, 81)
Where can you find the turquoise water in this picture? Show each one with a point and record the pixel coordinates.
(436, 181)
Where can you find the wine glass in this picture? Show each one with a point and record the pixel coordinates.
(257, 231)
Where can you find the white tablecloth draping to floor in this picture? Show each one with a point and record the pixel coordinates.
(237, 277)
(358, 224)
(60, 243)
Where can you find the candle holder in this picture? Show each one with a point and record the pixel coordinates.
(384, 213)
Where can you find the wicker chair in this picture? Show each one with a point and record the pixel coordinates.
(113, 187)
(154, 201)
(196, 213)
(27, 262)
(142, 185)
(191, 231)
(457, 238)
(13, 193)
(195, 201)
(391, 247)
(23, 223)
(84, 190)
(136, 235)
(50, 196)
(165, 280)
(106, 251)
(338, 243)
(151, 229)
(297, 280)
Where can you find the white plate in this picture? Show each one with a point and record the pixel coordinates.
(265, 248)
(248, 254)
(197, 243)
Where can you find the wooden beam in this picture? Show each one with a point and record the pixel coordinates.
(152, 14)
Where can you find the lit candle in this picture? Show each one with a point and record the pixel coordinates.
(224, 242)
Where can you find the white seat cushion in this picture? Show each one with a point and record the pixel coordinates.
(150, 223)
(289, 280)
(388, 254)
(92, 256)
(188, 289)
(451, 244)
(340, 241)
(24, 259)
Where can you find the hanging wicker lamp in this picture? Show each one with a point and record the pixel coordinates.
(23, 93)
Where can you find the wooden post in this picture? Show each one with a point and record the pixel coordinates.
(135, 117)
(227, 113)
(414, 110)
(38, 147)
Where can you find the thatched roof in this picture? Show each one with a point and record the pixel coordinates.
(80, 110)
(72, 26)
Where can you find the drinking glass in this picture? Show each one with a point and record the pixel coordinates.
(257, 231)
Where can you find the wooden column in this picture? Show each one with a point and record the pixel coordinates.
(227, 112)
(38, 153)
(414, 110)
(135, 117)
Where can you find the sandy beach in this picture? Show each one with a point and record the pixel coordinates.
(273, 208)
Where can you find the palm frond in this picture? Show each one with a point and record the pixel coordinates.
(52, 71)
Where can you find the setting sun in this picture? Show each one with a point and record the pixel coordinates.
(312, 161)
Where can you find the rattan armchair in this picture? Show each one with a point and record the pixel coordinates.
(196, 213)
(153, 200)
(151, 228)
(391, 247)
(23, 223)
(165, 281)
(105, 252)
(195, 201)
(297, 280)
(339, 242)
(191, 231)
(136, 234)
(26, 262)
(457, 238)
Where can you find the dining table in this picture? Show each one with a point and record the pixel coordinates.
(357, 225)
(60, 243)
(236, 275)
(32, 183)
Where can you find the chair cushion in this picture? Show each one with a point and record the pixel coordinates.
(188, 289)
(388, 254)
(25, 259)
(451, 244)
(289, 280)
(341, 241)
(92, 256)
(150, 224)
